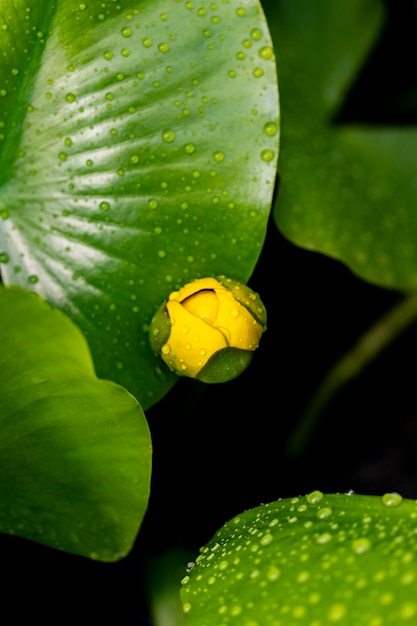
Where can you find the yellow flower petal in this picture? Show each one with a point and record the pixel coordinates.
(192, 341)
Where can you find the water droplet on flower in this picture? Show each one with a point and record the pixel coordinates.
(166, 349)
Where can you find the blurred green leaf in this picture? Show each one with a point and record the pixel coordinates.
(334, 559)
(138, 151)
(347, 191)
(75, 450)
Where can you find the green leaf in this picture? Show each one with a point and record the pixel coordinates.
(347, 191)
(75, 450)
(138, 151)
(313, 560)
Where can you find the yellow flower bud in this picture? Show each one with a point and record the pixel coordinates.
(209, 329)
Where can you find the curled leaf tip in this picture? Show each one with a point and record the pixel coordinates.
(209, 329)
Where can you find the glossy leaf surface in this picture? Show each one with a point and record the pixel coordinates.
(138, 150)
(75, 450)
(334, 559)
(346, 190)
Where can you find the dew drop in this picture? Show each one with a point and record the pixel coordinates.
(408, 610)
(108, 55)
(266, 52)
(162, 254)
(218, 156)
(391, 500)
(33, 279)
(189, 148)
(361, 545)
(258, 72)
(168, 135)
(126, 32)
(240, 11)
(273, 573)
(266, 539)
(153, 204)
(256, 34)
(270, 129)
(125, 52)
(70, 97)
(324, 513)
(147, 42)
(163, 47)
(267, 155)
(104, 206)
(337, 612)
(314, 497)
(4, 258)
(134, 159)
(190, 566)
(166, 349)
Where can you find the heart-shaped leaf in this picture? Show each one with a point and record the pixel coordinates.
(75, 450)
(314, 560)
(346, 190)
(138, 150)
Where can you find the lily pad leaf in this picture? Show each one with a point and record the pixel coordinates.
(138, 149)
(345, 190)
(75, 450)
(318, 559)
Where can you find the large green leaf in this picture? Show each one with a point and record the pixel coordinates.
(138, 151)
(310, 561)
(348, 191)
(75, 450)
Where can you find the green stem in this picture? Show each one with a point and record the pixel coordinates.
(367, 348)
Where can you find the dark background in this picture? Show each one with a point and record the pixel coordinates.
(221, 449)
